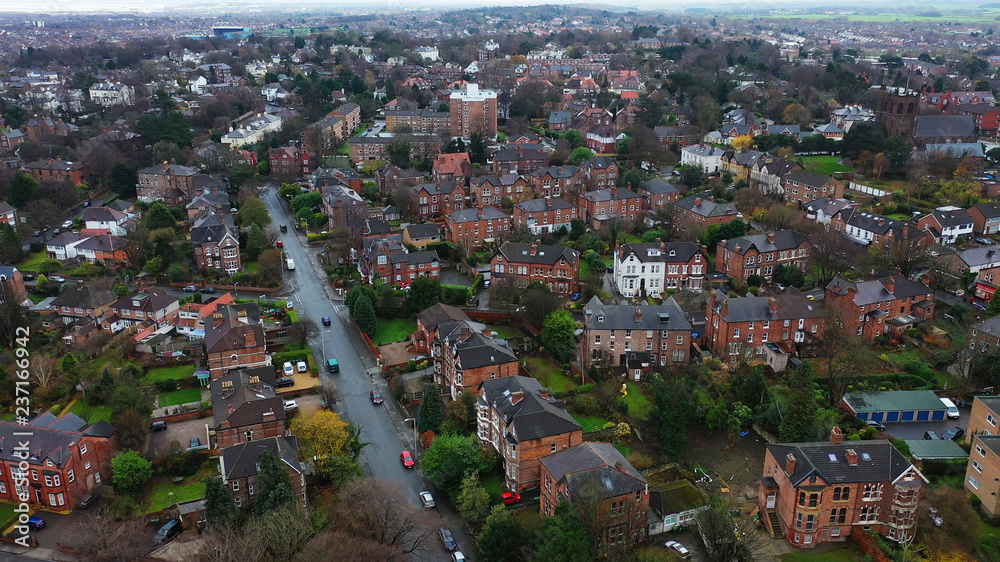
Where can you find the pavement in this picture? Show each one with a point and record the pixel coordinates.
(385, 428)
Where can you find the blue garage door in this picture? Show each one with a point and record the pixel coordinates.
(863, 417)
(923, 415)
(877, 416)
(907, 416)
(892, 416)
(937, 415)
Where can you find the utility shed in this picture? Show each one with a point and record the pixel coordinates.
(895, 406)
(937, 449)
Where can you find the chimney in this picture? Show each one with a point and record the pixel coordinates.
(614, 193)
(697, 201)
(268, 415)
(49, 162)
(926, 280)
(890, 284)
(663, 246)
(534, 247)
(173, 160)
(516, 396)
(738, 248)
(544, 392)
(881, 222)
(852, 457)
(620, 466)
(835, 436)
(770, 237)
(487, 332)
(851, 291)
(638, 315)
(712, 300)
(789, 463)
(724, 312)
(772, 305)
(711, 199)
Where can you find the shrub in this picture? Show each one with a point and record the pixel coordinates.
(920, 369)
(166, 385)
(587, 405)
(976, 502)
(639, 460)
(124, 507)
(454, 294)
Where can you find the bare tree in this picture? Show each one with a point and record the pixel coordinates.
(727, 540)
(376, 510)
(846, 354)
(282, 532)
(349, 548)
(832, 255)
(42, 213)
(225, 544)
(43, 369)
(98, 539)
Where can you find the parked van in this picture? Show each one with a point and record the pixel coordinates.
(952, 409)
(333, 366)
(290, 264)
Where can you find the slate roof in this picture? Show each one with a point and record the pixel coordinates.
(930, 126)
(532, 417)
(428, 230)
(807, 178)
(878, 461)
(707, 207)
(495, 180)
(668, 316)
(870, 222)
(102, 243)
(413, 258)
(242, 405)
(989, 326)
(544, 204)
(210, 234)
(232, 327)
(953, 218)
(791, 305)
(594, 467)
(598, 162)
(829, 206)
(560, 117)
(658, 186)
(873, 291)
(47, 442)
(546, 255)
(989, 210)
(471, 215)
(150, 300)
(957, 149)
(609, 194)
(556, 172)
(240, 461)
(445, 187)
(103, 214)
(171, 169)
(783, 240)
(84, 296)
(680, 252)
(480, 351)
(704, 150)
(439, 314)
(893, 400)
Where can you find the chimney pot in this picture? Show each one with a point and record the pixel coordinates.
(836, 437)
(852, 457)
(789, 463)
(638, 315)
(516, 396)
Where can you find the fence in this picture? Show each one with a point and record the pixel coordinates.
(491, 317)
(235, 287)
(868, 190)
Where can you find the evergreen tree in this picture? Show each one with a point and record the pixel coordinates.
(431, 410)
(994, 308)
(477, 148)
(21, 189)
(564, 537)
(122, 179)
(160, 217)
(10, 244)
(424, 293)
(364, 315)
(219, 505)
(558, 336)
(799, 418)
(257, 242)
(473, 501)
(69, 363)
(500, 540)
(274, 486)
(389, 304)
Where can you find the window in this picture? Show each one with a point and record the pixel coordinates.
(597, 339)
(553, 447)
(991, 420)
(83, 449)
(3, 488)
(680, 340)
(97, 477)
(239, 502)
(48, 480)
(236, 485)
(87, 465)
(34, 474)
(980, 450)
(813, 499)
(56, 480)
(736, 332)
(250, 489)
(977, 466)
(841, 494)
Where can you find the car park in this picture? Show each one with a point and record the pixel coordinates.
(447, 539)
(376, 397)
(953, 433)
(288, 369)
(511, 497)
(36, 523)
(426, 499)
(301, 366)
(326, 321)
(407, 459)
(191, 289)
(168, 531)
(680, 549)
(284, 381)
(208, 290)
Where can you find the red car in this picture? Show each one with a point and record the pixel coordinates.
(281, 244)
(511, 497)
(407, 459)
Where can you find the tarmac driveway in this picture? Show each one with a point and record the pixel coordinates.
(915, 430)
(158, 445)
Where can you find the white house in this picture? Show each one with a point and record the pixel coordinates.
(823, 210)
(274, 93)
(706, 157)
(948, 223)
(107, 94)
(253, 130)
(106, 220)
(62, 247)
(651, 269)
(427, 53)
(197, 85)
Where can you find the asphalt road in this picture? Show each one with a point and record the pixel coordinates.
(382, 427)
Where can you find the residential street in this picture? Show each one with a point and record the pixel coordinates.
(382, 427)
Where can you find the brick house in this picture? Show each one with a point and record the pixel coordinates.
(234, 339)
(642, 270)
(657, 193)
(389, 177)
(765, 173)
(246, 408)
(466, 354)
(601, 172)
(57, 169)
(802, 187)
(558, 181)
(10, 139)
(471, 228)
(420, 235)
(82, 301)
(947, 223)
(544, 215)
(39, 128)
(813, 493)
(8, 214)
(987, 280)
(12, 277)
(558, 267)
(739, 161)
(169, 183)
(696, 212)
(427, 325)
(885, 306)
(239, 465)
(473, 110)
(598, 207)
(598, 472)
(985, 218)
(350, 115)
(761, 254)
(343, 206)
(217, 246)
(323, 136)
(773, 328)
(206, 204)
(985, 335)
(67, 460)
(494, 189)
(983, 471)
(647, 336)
(519, 159)
(426, 121)
(142, 307)
(524, 423)
(986, 118)
(104, 249)
(452, 166)
(292, 161)
(406, 267)
(436, 199)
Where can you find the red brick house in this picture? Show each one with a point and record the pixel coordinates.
(544, 215)
(389, 177)
(696, 212)
(57, 169)
(802, 187)
(66, 458)
(292, 161)
(761, 254)
(240, 464)
(492, 190)
(14, 280)
(657, 193)
(601, 172)
(169, 183)
(521, 159)
(985, 117)
(217, 247)
(466, 354)
(471, 228)
(405, 267)
(436, 199)
(82, 301)
(142, 307)
(592, 469)
(599, 207)
(557, 181)
(889, 305)
(558, 267)
(8, 214)
(636, 338)
(427, 325)
(525, 424)
(814, 493)
(246, 408)
(452, 166)
(234, 339)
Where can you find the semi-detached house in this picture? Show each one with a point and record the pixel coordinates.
(650, 269)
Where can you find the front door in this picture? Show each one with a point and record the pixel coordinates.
(770, 500)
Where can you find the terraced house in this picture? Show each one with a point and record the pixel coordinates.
(761, 254)
(548, 214)
(557, 267)
(650, 269)
(636, 338)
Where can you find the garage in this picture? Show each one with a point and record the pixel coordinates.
(898, 406)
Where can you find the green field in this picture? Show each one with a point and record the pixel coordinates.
(91, 414)
(507, 332)
(177, 397)
(590, 423)
(549, 374)
(32, 262)
(168, 373)
(824, 165)
(392, 331)
(161, 498)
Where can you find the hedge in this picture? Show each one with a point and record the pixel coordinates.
(477, 285)
(445, 250)
(905, 381)
(321, 236)
(454, 294)
(280, 358)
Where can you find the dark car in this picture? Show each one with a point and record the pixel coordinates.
(877, 425)
(447, 539)
(158, 425)
(284, 381)
(376, 397)
(931, 436)
(208, 289)
(87, 501)
(284, 228)
(168, 531)
(36, 523)
(27, 276)
(326, 320)
(953, 433)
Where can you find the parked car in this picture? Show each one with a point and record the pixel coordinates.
(158, 425)
(288, 369)
(87, 501)
(208, 290)
(426, 499)
(953, 433)
(291, 405)
(191, 289)
(284, 381)
(67, 224)
(195, 442)
(168, 531)
(326, 320)
(576, 296)
(447, 539)
(679, 549)
(511, 497)
(984, 241)
(281, 244)
(28, 276)
(877, 425)
(458, 556)
(36, 523)
(407, 459)
(376, 397)
(930, 436)
(57, 279)
(302, 366)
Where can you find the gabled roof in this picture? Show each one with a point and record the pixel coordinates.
(610, 194)
(446, 187)
(876, 290)
(931, 126)
(989, 210)
(706, 207)
(440, 313)
(478, 350)
(245, 397)
(680, 252)
(84, 296)
(556, 172)
(544, 204)
(471, 215)
(240, 461)
(537, 254)
(791, 305)
(533, 416)
(953, 217)
(878, 461)
(102, 243)
(233, 327)
(103, 214)
(52, 441)
(808, 178)
(427, 230)
(594, 468)
(783, 240)
(658, 186)
(870, 222)
(149, 300)
(667, 316)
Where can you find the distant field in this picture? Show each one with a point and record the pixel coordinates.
(823, 165)
(883, 18)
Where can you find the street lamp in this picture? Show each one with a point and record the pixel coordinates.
(414, 421)
(236, 293)
(322, 340)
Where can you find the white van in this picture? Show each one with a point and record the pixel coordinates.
(290, 264)
(952, 409)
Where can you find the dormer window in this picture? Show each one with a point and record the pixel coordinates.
(673, 252)
(600, 318)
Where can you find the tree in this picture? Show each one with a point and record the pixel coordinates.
(12, 315)
(274, 486)
(450, 458)
(537, 303)
(473, 502)
(11, 250)
(253, 211)
(398, 149)
(431, 412)
(424, 293)
(21, 189)
(575, 139)
(728, 540)
(744, 141)
(364, 315)
(159, 216)
(130, 472)
(580, 154)
(43, 369)
(257, 242)
(558, 336)
(122, 179)
(798, 419)
(796, 114)
(993, 309)
(477, 148)
(500, 540)
(563, 538)
(324, 436)
(219, 506)
(377, 510)
(356, 293)
(671, 415)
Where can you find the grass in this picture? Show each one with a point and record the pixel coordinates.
(507, 332)
(548, 373)
(899, 358)
(590, 423)
(178, 397)
(251, 267)
(7, 515)
(91, 414)
(584, 270)
(293, 316)
(824, 165)
(161, 498)
(168, 373)
(624, 450)
(35, 297)
(638, 404)
(392, 331)
(493, 484)
(33, 261)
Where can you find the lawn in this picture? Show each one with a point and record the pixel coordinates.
(35, 297)
(293, 316)
(392, 331)
(899, 358)
(32, 262)
(824, 165)
(507, 332)
(590, 423)
(638, 404)
(624, 450)
(168, 373)
(493, 484)
(7, 515)
(584, 270)
(251, 267)
(180, 397)
(91, 414)
(548, 373)
(161, 498)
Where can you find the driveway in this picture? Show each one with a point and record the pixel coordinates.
(158, 446)
(915, 430)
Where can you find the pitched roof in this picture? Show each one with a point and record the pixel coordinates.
(610, 194)
(930, 126)
(51, 441)
(667, 316)
(878, 461)
(533, 416)
(594, 468)
(240, 461)
(478, 350)
(556, 172)
(658, 186)
(102, 243)
(706, 207)
(544, 204)
(427, 230)
(680, 252)
(952, 217)
(807, 178)
(84, 296)
(233, 327)
(103, 214)
(470, 215)
(244, 398)
(791, 305)
(446, 187)
(537, 253)
(440, 313)
(783, 240)
(876, 290)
